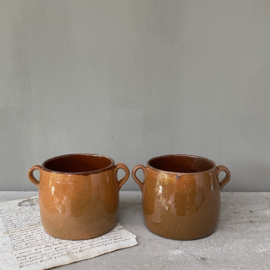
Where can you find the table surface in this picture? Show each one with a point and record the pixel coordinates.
(241, 241)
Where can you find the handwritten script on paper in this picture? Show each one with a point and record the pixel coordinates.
(25, 245)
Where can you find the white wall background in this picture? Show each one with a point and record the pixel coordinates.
(133, 79)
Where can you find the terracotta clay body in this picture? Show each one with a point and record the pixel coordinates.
(78, 195)
(181, 195)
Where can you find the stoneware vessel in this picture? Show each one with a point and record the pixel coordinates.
(78, 195)
(181, 195)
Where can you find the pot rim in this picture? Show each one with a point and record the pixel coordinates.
(43, 166)
(182, 155)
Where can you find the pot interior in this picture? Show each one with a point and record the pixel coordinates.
(77, 163)
(181, 163)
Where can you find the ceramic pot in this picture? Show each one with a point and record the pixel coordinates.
(78, 195)
(181, 195)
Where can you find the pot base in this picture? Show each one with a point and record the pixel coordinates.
(64, 235)
(180, 237)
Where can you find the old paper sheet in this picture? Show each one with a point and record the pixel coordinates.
(25, 245)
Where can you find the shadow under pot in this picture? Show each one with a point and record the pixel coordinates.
(78, 195)
(181, 195)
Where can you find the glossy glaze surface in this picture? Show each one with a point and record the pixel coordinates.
(181, 195)
(78, 195)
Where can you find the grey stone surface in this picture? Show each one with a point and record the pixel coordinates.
(241, 241)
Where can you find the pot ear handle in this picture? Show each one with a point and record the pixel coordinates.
(135, 177)
(125, 178)
(227, 178)
(31, 175)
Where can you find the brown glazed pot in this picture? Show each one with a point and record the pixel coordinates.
(181, 195)
(78, 195)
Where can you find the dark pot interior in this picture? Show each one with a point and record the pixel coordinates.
(181, 163)
(78, 163)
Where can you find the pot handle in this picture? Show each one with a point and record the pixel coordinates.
(227, 178)
(125, 178)
(31, 176)
(136, 168)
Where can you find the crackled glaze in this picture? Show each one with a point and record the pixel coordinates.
(181, 195)
(78, 195)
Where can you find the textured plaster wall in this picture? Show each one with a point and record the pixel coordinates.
(133, 79)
